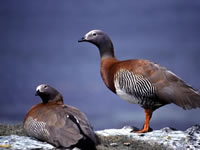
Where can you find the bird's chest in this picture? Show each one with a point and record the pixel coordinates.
(37, 122)
(107, 78)
(36, 128)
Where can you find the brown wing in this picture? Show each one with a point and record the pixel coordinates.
(64, 131)
(83, 122)
(169, 87)
(175, 90)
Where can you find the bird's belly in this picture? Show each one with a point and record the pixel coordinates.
(129, 98)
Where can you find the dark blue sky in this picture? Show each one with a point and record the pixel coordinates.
(38, 44)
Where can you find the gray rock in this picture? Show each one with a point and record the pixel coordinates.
(113, 139)
(167, 137)
(16, 142)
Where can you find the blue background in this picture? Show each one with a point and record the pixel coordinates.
(38, 44)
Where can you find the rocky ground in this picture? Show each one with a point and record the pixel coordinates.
(13, 137)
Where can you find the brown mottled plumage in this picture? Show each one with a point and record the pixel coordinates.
(58, 124)
(141, 81)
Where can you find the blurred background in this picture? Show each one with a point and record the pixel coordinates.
(38, 44)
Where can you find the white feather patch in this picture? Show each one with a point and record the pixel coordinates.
(130, 98)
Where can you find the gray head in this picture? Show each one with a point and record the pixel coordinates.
(101, 40)
(47, 93)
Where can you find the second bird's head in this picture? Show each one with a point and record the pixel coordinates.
(47, 93)
(101, 40)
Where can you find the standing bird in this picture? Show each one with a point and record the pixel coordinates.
(140, 81)
(58, 124)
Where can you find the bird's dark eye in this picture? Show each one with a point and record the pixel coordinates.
(94, 34)
(45, 86)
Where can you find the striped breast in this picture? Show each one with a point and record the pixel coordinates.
(134, 88)
(35, 128)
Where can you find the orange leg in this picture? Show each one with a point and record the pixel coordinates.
(148, 114)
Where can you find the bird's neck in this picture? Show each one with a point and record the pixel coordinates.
(56, 100)
(106, 50)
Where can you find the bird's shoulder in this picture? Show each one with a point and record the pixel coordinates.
(137, 66)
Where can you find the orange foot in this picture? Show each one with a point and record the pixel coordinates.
(141, 131)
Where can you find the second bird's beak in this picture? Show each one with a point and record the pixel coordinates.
(82, 39)
(37, 93)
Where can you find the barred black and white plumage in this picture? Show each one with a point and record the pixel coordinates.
(36, 128)
(135, 89)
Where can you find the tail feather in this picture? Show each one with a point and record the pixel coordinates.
(174, 90)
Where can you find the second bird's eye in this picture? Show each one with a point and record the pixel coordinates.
(94, 34)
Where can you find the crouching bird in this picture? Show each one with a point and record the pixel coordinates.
(141, 81)
(58, 124)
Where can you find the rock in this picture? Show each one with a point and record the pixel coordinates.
(166, 138)
(112, 139)
(16, 142)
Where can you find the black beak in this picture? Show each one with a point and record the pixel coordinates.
(37, 93)
(82, 39)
